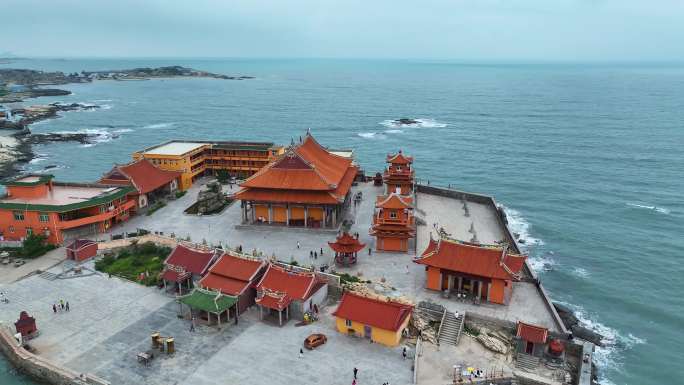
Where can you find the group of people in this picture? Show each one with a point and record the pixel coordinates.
(315, 254)
(61, 305)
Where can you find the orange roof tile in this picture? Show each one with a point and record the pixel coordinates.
(287, 196)
(296, 285)
(385, 315)
(192, 260)
(393, 201)
(275, 301)
(399, 158)
(532, 333)
(142, 174)
(469, 259)
(345, 243)
(225, 285)
(307, 167)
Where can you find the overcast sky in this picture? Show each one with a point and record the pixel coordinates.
(584, 30)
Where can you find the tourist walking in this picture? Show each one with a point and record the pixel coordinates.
(356, 371)
(321, 251)
(354, 381)
(61, 303)
(315, 255)
(403, 352)
(298, 245)
(54, 308)
(301, 353)
(370, 251)
(67, 306)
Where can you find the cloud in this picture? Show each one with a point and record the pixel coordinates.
(440, 29)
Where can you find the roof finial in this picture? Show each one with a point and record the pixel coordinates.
(308, 131)
(292, 141)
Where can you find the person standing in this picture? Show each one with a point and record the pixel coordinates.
(54, 308)
(61, 303)
(298, 245)
(356, 371)
(403, 352)
(67, 306)
(301, 353)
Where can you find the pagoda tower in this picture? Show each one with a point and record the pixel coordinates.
(399, 175)
(393, 222)
(346, 249)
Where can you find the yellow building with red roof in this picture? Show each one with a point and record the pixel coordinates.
(307, 186)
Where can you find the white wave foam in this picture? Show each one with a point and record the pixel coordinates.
(102, 100)
(38, 158)
(607, 356)
(105, 106)
(521, 227)
(159, 125)
(580, 272)
(661, 210)
(393, 131)
(371, 135)
(420, 123)
(95, 136)
(123, 130)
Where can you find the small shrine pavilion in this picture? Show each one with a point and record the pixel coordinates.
(346, 249)
(26, 325)
(393, 223)
(399, 175)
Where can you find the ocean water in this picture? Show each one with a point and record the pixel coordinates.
(587, 159)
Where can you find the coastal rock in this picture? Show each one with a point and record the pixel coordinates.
(491, 342)
(404, 121)
(566, 314)
(587, 335)
(83, 138)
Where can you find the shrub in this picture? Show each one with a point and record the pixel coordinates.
(223, 176)
(179, 194)
(34, 246)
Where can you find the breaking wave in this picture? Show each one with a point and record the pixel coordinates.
(419, 123)
(159, 125)
(95, 136)
(521, 231)
(123, 130)
(580, 272)
(38, 158)
(372, 135)
(614, 343)
(661, 210)
(393, 131)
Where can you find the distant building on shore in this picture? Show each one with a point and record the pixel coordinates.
(195, 159)
(34, 204)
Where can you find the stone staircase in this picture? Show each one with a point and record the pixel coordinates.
(47, 275)
(526, 362)
(451, 328)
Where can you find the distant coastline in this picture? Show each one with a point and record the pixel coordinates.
(19, 85)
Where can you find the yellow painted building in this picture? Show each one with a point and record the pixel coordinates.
(200, 158)
(381, 321)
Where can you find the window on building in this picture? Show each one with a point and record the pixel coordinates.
(393, 214)
(29, 231)
(348, 323)
(18, 215)
(11, 229)
(103, 209)
(43, 217)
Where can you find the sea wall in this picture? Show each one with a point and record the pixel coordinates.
(39, 367)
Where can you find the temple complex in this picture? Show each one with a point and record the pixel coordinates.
(35, 204)
(399, 175)
(307, 186)
(346, 249)
(393, 223)
(478, 272)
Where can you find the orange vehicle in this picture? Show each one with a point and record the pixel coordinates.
(314, 341)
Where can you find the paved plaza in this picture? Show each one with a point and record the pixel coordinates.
(111, 320)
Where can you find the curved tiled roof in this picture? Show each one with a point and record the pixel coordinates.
(470, 259)
(194, 261)
(399, 158)
(387, 315)
(393, 201)
(232, 274)
(305, 168)
(345, 243)
(143, 175)
(296, 285)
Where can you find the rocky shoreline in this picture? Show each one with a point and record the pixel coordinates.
(18, 85)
